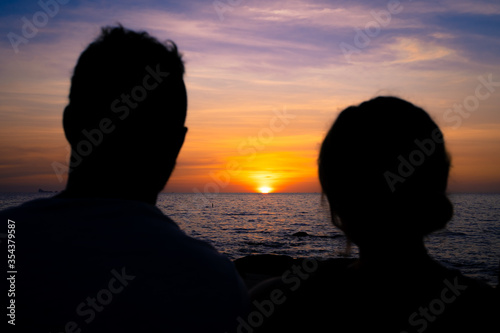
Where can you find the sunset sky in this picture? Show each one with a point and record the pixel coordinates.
(265, 81)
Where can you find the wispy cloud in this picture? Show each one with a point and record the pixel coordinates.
(264, 55)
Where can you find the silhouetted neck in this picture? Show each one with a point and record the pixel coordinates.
(97, 193)
(86, 189)
(398, 254)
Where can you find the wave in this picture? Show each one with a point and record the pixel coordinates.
(305, 234)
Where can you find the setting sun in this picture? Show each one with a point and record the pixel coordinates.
(265, 189)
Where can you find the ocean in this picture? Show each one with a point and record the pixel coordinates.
(242, 224)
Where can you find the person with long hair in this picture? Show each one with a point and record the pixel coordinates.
(383, 168)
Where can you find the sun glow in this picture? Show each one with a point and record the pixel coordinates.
(264, 189)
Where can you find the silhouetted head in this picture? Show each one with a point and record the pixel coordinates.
(126, 112)
(384, 168)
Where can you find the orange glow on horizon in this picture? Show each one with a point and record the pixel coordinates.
(256, 123)
(265, 189)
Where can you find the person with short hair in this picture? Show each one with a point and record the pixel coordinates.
(100, 256)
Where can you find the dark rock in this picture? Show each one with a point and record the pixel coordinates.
(269, 264)
(255, 269)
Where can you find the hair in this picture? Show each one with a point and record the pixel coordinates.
(111, 67)
(384, 168)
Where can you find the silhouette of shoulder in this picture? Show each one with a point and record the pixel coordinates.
(347, 299)
(75, 247)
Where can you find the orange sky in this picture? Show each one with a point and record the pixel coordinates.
(259, 61)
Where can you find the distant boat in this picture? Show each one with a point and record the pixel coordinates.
(43, 191)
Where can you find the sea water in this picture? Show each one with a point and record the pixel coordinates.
(243, 224)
